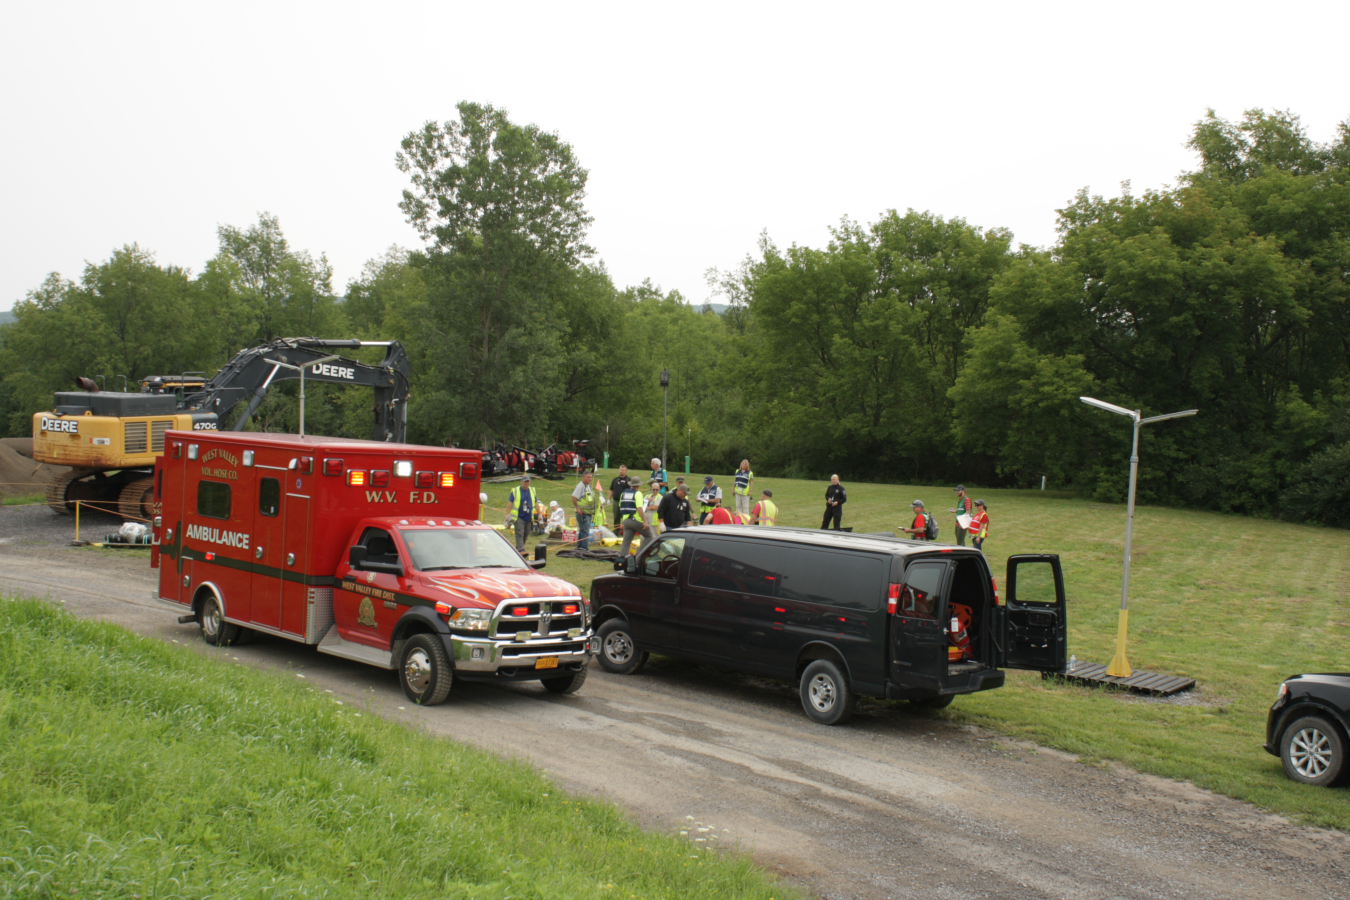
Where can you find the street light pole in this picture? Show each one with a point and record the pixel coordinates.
(1120, 666)
(665, 410)
(301, 370)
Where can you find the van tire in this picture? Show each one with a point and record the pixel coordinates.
(215, 630)
(566, 684)
(424, 670)
(825, 693)
(619, 653)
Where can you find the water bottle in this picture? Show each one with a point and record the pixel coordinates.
(1073, 663)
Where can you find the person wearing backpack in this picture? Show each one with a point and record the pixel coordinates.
(923, 528)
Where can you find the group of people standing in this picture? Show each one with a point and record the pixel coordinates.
(662, 508)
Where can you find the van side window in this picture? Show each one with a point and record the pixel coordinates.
(380, 546)
(844, 580)
(1036, 583)
(920, 595)
(663, 559)
(744, 567)
(269, 496)
(213, 499)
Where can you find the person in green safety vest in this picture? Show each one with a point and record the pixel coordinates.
(745, 480)
(585, 500)
(765, 511)
(522, 500)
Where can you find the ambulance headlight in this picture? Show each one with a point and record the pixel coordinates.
(471, 619)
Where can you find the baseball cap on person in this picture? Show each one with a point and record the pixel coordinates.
(524, 478)
(681, 486)
(918, 503)
(707, 479)
(979, 503)
(960, 487)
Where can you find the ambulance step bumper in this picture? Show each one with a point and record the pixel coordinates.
(334, 645)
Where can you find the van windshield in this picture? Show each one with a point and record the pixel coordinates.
(436, 549)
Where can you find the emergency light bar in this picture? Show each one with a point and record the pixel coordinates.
(356, 477)
(447, 479)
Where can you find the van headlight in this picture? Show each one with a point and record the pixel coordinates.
(471, 619)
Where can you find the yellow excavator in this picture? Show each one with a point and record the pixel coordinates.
(110, 439)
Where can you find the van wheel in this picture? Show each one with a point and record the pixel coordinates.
(215, 630)
(424, 670)
(618, 653)
(935, 702)
(1312, 751)
(825, 693)
(566, 684)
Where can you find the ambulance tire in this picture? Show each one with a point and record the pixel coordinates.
(215, 630)
(825, 693)
(619, 653)
(424, 670)
(566, 684)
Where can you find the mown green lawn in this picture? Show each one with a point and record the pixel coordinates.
(135, 769)
(1236, 603)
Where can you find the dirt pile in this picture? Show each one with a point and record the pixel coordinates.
(20, 476)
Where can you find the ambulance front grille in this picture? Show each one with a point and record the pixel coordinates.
(157, 430)
(319, 614)
(134, 438)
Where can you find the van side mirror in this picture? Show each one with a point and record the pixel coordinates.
(630, 565)
(538, 563)
(356, 557)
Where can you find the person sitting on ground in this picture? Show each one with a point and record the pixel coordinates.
(721, 516)
(765, 511)
(557, 517)
(918, 529)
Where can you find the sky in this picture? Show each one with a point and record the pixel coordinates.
(702, 125)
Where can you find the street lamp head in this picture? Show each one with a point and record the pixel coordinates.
(1109, 407)
(665, 378)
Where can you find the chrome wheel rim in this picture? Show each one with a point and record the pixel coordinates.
(821, 693)
(211, 619)
(417, 670)
(1310, 752)
(618, 648)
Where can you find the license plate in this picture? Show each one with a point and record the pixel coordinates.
(546, 662)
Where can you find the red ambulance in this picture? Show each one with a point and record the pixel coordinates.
(369, 551)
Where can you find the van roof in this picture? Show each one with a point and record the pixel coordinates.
(843, 540)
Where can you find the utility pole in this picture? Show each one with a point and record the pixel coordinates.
(665, 411)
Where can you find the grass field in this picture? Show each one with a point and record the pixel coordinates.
(25, 500)
(131, 768)
(1238, 604)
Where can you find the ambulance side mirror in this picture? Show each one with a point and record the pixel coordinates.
(356, 557)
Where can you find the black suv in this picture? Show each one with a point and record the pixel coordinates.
(1308, 728)
(840, 614)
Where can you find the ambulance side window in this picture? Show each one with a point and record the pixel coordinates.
(213, 499)
(269, 496)
(380, 546)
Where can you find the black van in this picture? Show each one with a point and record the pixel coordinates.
(841, 614)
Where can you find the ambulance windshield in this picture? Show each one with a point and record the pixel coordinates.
(435, 549)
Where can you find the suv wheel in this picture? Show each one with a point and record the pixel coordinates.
(1313, 751)
(825, 693)
(618, 652)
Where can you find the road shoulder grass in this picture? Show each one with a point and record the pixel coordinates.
(134, 768)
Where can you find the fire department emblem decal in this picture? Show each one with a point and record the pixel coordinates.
(366, 615)
(370, 577)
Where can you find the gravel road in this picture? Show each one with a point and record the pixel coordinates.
(892, 805)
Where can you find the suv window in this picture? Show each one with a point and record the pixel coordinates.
(663, 559)
(920, 595)
(745, 567)
(844, 580)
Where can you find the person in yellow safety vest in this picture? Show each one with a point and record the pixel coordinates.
(585, 500)
(765, 511)
(631, 507)
(522, 500)
(745, 479)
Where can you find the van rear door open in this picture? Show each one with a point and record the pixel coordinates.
(1032, 623)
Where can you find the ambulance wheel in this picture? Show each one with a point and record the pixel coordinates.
(424, 670)
(618, 653)
(567, 684)
(215, 630)
(825, 693)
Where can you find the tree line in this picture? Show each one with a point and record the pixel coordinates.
(914, 348)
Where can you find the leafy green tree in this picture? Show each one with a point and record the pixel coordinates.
(501, 208)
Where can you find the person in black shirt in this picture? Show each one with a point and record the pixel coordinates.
(674, 510)
(620, 484)
(835, 498)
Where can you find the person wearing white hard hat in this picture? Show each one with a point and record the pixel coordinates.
(557, 517)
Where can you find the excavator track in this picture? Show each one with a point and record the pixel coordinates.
(65, 490)
(136, 500)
